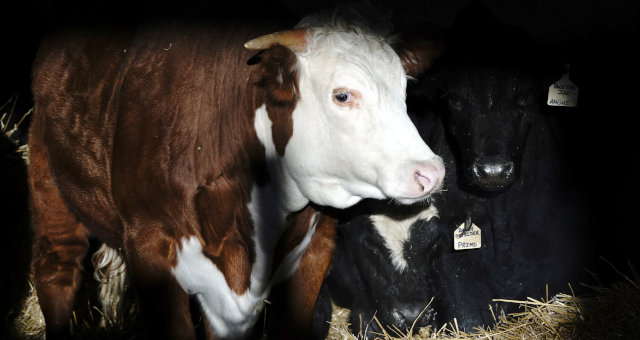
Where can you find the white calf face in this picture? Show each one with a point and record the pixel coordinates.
(352, 138)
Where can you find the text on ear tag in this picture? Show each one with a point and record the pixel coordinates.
(563, 93)
(467, 239)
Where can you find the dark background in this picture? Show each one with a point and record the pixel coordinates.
(550, 21)
(597, 37)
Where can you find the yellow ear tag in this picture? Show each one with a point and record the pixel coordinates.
(467, 238)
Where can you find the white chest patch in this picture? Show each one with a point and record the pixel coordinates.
(230, 314)
(396, 232)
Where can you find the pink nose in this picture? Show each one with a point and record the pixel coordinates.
(429, 176)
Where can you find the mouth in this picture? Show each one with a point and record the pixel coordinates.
(426, 199)
(484, 188)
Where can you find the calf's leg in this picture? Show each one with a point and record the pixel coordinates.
(60, 244)
(163, 302)
(294, 300)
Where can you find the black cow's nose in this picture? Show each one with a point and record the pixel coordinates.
(493, 174)
(408, 316)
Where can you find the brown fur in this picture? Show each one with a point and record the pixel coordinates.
(283, 92)
(144, 139)
(60, 242)
(294, 300)
(226, 244)
(305, 284)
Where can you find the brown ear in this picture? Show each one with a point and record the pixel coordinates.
(418, 51)
(278, 74)
(278, 77)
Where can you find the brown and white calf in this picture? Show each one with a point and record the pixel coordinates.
(186, 151)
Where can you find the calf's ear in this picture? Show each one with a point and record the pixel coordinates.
(417, 51)
(279, 63)
(276, 73)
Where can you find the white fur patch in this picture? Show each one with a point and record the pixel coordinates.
(110, 272)
(340, 154)
(292, 261)
(230, 315)
(396, 232)
(285, 188)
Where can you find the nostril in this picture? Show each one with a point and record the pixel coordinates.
(496, 174)
(478, 171)
(508, 169)
(408, 315)
(427, 177)
(493, 170)
(423, 181)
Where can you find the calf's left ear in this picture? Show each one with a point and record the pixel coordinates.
(417, 52)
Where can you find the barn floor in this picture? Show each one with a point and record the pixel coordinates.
(611, 312)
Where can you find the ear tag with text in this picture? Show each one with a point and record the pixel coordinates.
(563, 93)
(467, 236)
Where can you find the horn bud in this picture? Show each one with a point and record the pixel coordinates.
(295, 40)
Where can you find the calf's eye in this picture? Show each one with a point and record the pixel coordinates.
(342, 97)
(347, 97)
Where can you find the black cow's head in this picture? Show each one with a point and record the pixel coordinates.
(487, 112)
(487, 86)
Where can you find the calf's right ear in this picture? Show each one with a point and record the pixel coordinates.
(417, 51)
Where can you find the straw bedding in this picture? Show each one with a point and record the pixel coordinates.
(610, 312)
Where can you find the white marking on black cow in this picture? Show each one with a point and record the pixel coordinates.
(395, 232)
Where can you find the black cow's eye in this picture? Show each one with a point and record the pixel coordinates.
(523, 100)
(454, 102)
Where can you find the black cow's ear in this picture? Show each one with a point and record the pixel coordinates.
(418, 50)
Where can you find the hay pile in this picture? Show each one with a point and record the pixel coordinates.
(15, 242)
(609, 313)
(9, 126)
(110, 310)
